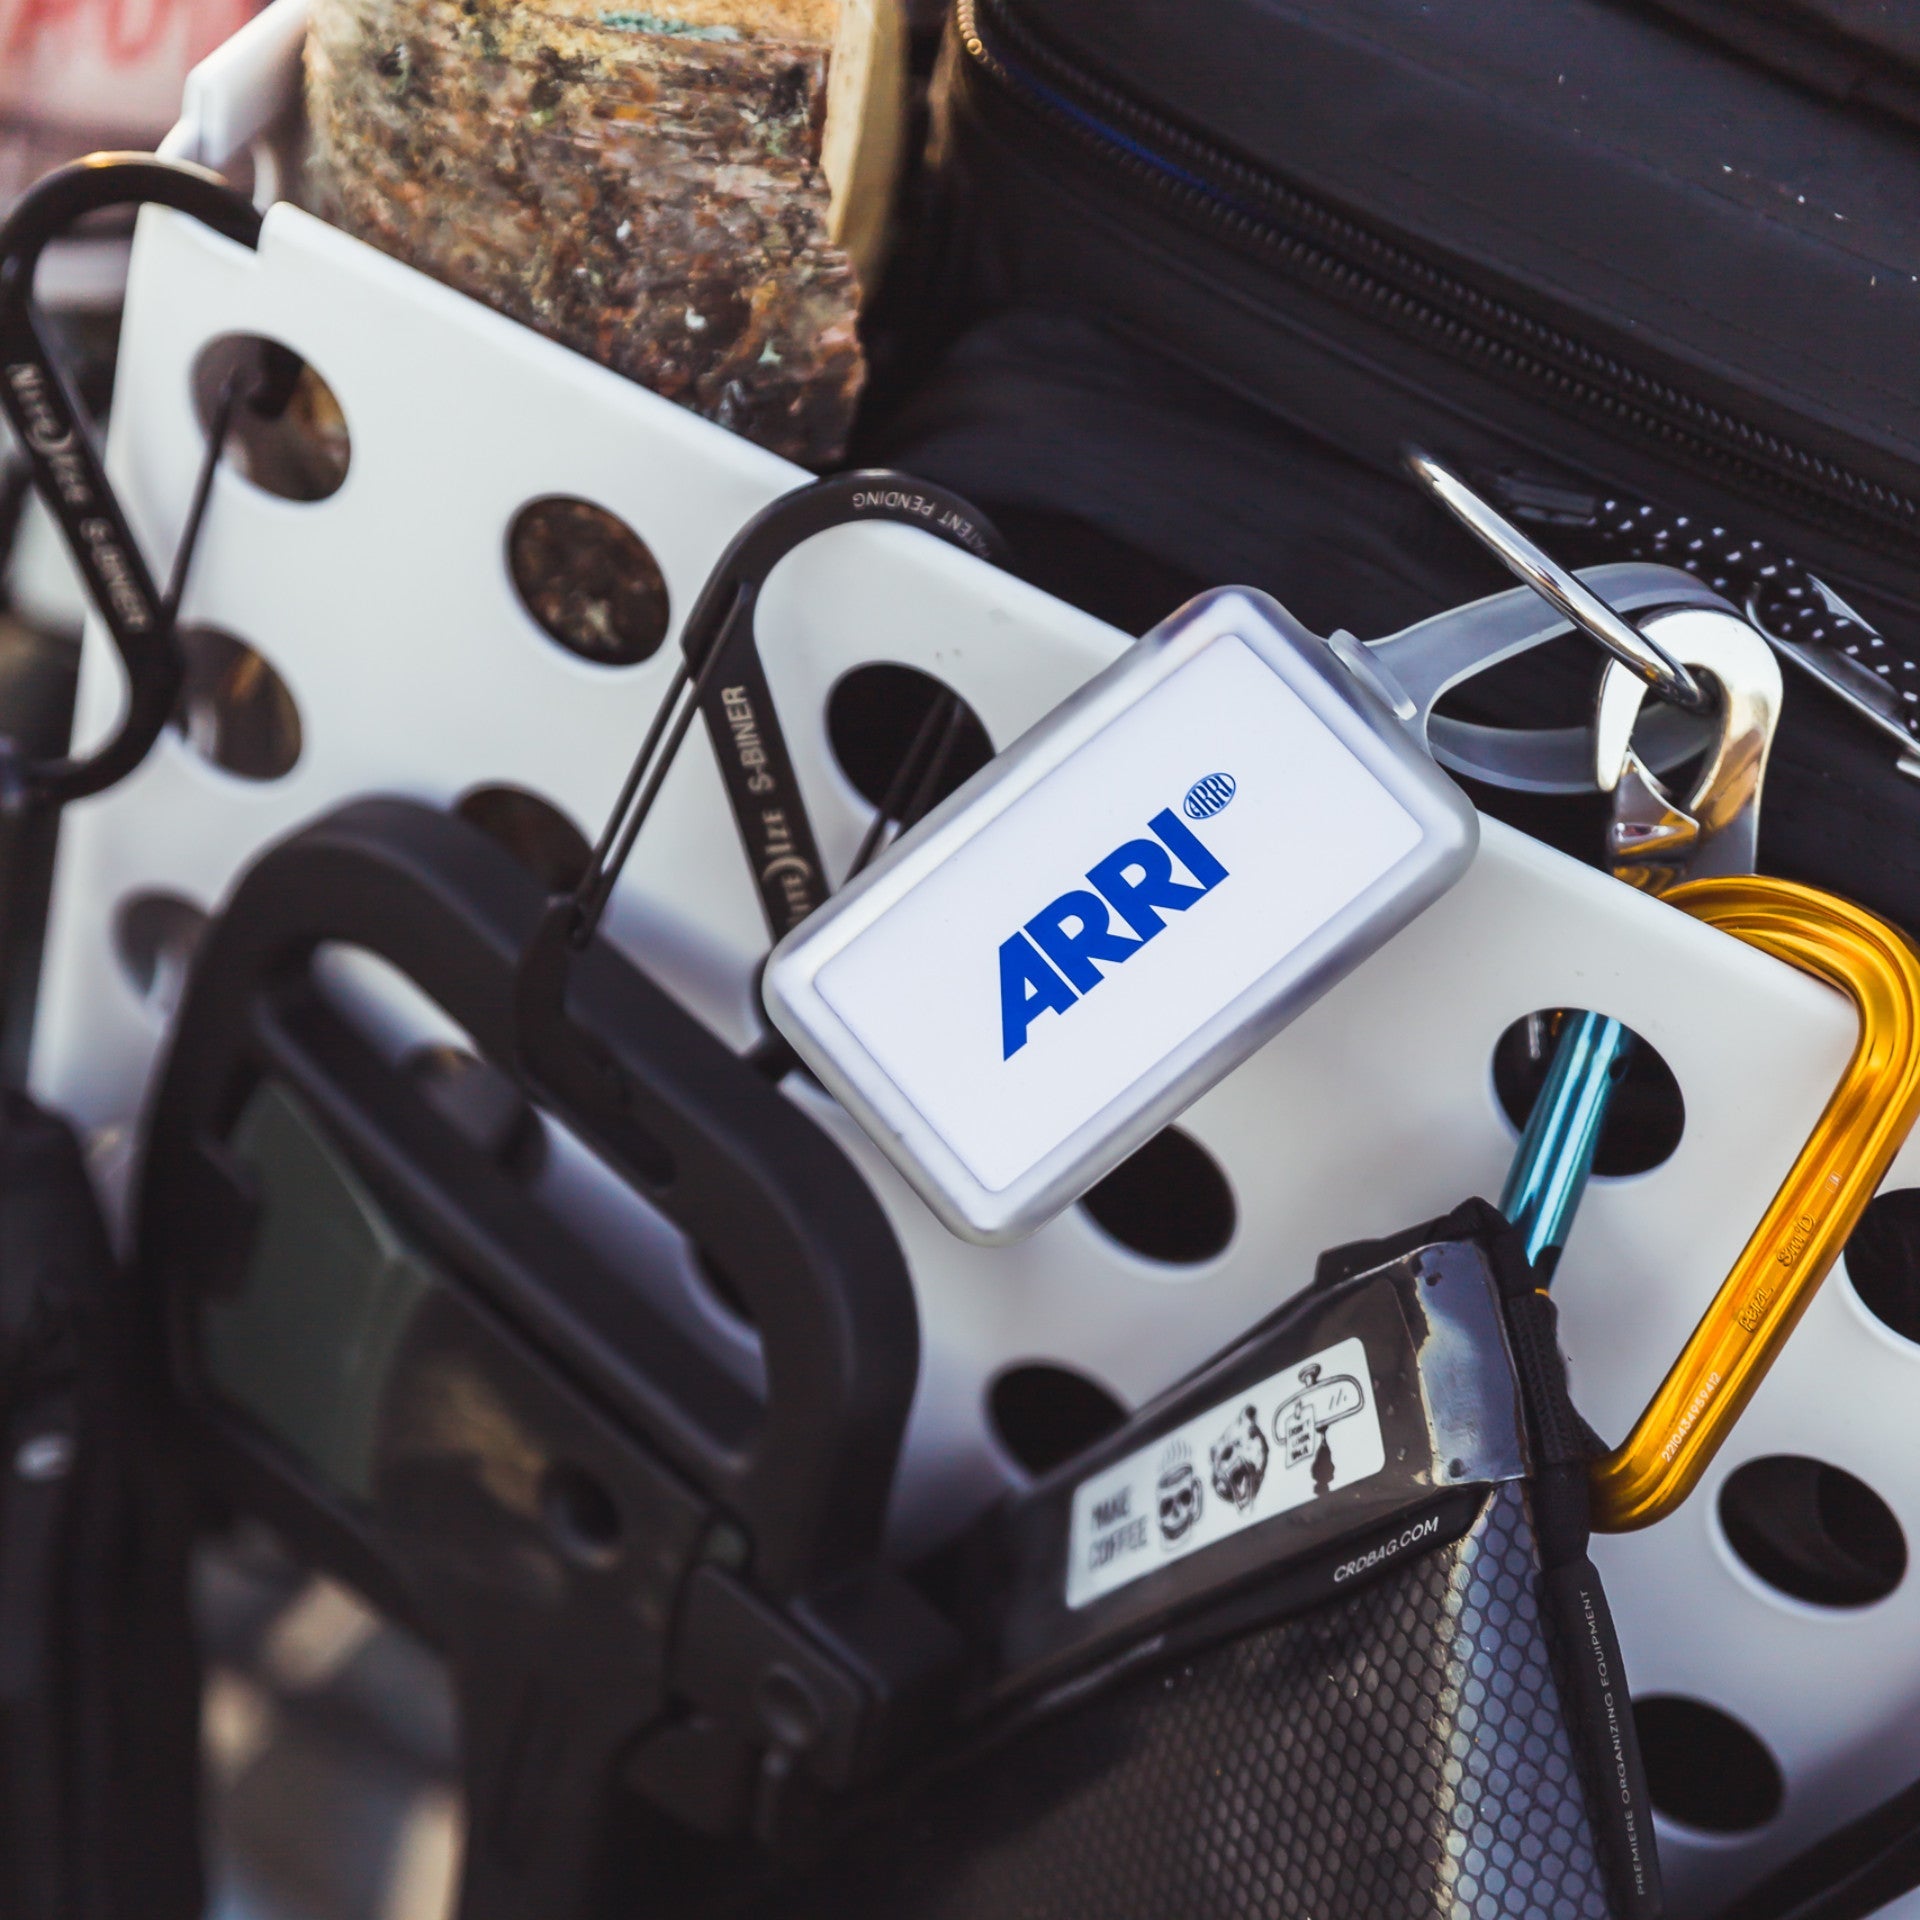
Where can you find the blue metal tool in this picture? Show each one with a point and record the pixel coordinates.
(1555, 1155)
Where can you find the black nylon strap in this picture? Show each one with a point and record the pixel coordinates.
(1586, 1647)
(1776, 590)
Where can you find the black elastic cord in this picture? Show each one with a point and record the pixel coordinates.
(217, 431)
(910, 792)
(652, 764)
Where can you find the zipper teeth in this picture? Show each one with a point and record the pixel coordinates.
(1414, 291)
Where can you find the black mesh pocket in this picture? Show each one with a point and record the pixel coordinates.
(1403, 1752)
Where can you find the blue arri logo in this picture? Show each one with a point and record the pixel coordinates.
(1056, 957)
(1206, 797)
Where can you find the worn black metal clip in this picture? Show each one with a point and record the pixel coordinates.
(47, 419)
(721, 677)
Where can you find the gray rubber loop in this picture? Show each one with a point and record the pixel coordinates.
(1426, 662)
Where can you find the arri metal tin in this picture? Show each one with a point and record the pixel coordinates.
(1117, 911)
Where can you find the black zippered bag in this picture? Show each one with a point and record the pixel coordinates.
(1216, 263)
(1569, 231)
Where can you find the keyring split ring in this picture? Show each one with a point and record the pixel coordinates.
(1562, 590)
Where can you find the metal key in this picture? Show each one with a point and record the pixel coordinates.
(1554, 1159)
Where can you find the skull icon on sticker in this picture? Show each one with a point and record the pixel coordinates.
(1239, 1460)
(1180, 1494)
(1300, 1422)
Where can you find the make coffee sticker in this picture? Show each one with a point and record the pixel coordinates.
(1291, 1439)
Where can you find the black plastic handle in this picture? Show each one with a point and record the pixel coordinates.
(753, 1183)
(52, 428)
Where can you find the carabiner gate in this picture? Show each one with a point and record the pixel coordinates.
(48, 421)
(1818, 1205)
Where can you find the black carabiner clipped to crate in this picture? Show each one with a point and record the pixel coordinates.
(722, 677)
(52, 428)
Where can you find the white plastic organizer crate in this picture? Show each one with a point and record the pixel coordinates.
(388, 611)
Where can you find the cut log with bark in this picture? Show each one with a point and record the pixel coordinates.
(689, 192)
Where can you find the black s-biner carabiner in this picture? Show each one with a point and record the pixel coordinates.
(53, 432)
(720, 676)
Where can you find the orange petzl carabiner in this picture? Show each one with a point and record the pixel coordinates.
(1818, 1205)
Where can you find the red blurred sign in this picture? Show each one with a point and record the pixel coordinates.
(81, 74)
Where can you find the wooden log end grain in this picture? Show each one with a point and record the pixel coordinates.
(688, 191)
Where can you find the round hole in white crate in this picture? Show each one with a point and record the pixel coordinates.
(287, 432)
(1169, 1201)
(581, 1515)
(533, 830)
(1883, 1261)
(876, 712)
(590, 583)
(154, 937)
(1705, 1769)
(235, 710)
(1647, 1116)
(1812, 1531)
(1043, 1413)
(482, 1104)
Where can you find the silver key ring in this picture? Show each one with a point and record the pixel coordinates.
(1415, 669)
(1560, 588)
